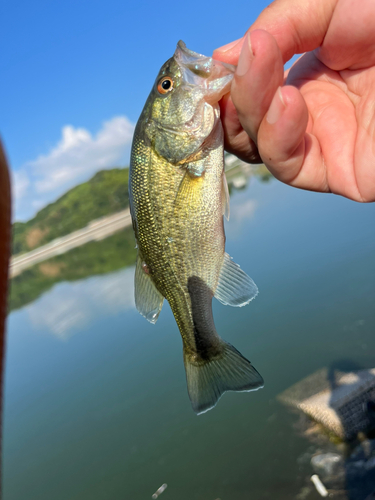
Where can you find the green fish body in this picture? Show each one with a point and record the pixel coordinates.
(178, 195)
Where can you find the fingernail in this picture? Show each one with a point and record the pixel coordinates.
(229, 46)
(246, 57)
(277, 107)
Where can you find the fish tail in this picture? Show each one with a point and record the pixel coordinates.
(208, 379)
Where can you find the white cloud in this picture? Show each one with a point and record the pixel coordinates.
(76, 157)
(20, 184)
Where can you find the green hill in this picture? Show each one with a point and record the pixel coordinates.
(104, 194)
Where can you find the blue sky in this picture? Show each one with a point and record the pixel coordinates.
(75, 76)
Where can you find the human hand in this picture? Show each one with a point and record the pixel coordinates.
(314, 125)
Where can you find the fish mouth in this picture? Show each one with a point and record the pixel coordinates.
(213, 76)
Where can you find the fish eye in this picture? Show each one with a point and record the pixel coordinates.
(165, 85)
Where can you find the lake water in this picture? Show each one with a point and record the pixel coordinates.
(96, 406)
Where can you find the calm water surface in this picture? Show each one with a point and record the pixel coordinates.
(96, 405)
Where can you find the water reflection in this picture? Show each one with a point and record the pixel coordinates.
(94, 258)
(104, 414)
(240, 213)
(71, 306)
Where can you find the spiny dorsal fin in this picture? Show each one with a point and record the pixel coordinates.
(235, 287)
(148, 300)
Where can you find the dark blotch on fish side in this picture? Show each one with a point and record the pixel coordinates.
(206, 338)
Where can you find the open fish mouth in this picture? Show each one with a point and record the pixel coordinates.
(211, 75)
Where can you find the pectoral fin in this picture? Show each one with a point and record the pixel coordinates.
(235, 287)
(148, 300)
(188, 191)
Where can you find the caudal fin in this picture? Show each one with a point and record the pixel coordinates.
(208, 380)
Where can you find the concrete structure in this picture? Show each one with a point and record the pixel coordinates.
(343, 402)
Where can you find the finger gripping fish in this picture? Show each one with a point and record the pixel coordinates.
(178, 195)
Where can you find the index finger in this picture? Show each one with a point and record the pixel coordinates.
(297, 27)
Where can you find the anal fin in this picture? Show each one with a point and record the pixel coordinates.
(235, 287)
(148, 300)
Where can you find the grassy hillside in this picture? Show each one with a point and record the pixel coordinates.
(104, 194)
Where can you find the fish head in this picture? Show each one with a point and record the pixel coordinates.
(182, 109)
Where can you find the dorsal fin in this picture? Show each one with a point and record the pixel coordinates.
(235, 287)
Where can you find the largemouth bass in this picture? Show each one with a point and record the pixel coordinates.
(178, 195)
